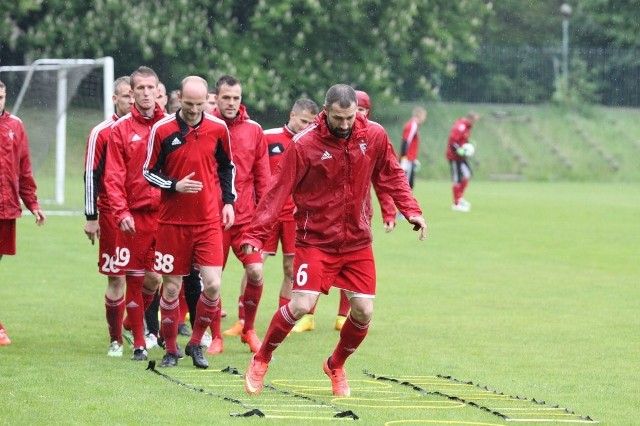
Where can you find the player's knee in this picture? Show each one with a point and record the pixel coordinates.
(254, 272)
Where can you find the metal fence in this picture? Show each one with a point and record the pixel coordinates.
(521, 74)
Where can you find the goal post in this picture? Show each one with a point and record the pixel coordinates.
(47, 89)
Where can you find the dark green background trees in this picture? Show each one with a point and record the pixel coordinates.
(284, 49)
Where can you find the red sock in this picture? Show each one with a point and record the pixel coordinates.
(216, 323)
(170, 313)
(184, 308)
(115, 316)
(251, 297)
(147, 297)
(344, 306)
(135, 308)
(283, 301)
(205, 313)
(463, 186)
(279, 328)
(351, 335)
(457, 192)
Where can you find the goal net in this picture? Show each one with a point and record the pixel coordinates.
(59, 101)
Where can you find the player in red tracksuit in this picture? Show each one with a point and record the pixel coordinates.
(302, 113)
(252, 177)
(189, 158)
(329, 170)
(411, 143)
(388, 209)
(16, 183)
(460, 170)
(134, 203)
(100, 223)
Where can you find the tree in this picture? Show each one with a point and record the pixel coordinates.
(280, 49)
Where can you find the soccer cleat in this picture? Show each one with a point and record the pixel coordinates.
(139, 354)
(460, 208)
(216, 347)
(169, 360)
(235, 330)
(338, 377)
(251, 339)
(206, 340)
(254, 377)
(4, 339)
(340, 319)
(195, 352)
(151, 341)
(183, 330)
(115, 349)
(306, 323)
(464, 202)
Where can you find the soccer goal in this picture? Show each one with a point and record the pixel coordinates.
(68, 95)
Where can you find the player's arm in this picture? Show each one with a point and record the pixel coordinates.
(114, 180)
(154, 163)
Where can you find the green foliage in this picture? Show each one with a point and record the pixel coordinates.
(280, 49)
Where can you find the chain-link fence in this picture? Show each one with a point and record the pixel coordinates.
(521, 74)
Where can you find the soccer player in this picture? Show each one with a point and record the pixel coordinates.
(211, 101)
(410, 144)
(16, 183)
(302, 113)
(189, 153)
(100, 222)
(162, 99)
(345, 152)
(307, 322)
(460, 170)
(252, 177)
(134, 203)
(174, 101)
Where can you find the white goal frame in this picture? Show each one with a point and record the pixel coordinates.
(62, 66)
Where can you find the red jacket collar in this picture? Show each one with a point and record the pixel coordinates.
(241, 117)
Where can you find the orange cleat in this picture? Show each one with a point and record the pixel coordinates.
(338, 377)
(254, 377)
(251, 339)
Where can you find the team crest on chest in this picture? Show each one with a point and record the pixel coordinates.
(363, 148)
(11, 134)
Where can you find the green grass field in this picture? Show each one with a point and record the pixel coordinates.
(534, 293)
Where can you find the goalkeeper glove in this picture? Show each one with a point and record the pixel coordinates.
(405, 164)
(460, 152)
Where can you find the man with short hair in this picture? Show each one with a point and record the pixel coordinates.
(346, 153)
(100, 223)
(252, 177)
(189, 158)
(302, 113)
(134, 203)
(16, 183)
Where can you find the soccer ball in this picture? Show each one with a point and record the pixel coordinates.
(468, 149)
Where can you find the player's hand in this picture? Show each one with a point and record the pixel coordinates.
(40, 217)
(188, 186)
(92, 230)
(228, 216)
(389, 226)
(248, 249)
(419, 224)
(128, 225)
